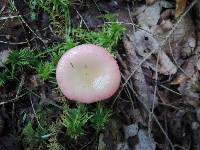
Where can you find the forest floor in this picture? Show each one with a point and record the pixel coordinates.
(156, 46)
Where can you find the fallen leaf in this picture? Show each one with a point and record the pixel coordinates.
(177, 123)
(131, 130)
(122, 146)
(112, 135)
(144, 43)
(166, 25)
(190, 87)
(189, 72)
(144, 92)
(146, 142)
(148, 16)
(180, 7)
(166, 66)
(166, 14)
(150, 2)
(138, 139)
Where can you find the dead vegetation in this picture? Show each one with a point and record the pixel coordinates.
(157, 105)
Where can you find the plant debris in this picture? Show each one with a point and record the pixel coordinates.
(156, 45)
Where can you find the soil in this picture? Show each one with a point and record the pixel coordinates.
(157, 105)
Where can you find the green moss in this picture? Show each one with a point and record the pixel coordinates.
(74, 119)
(100, 117)
(32, 137)
(54, 145)
(4, 76)
(45, 69)
(19, 60)
(59, 49)
(58, 11)
(108, 37)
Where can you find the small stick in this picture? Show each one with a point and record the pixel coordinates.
(35, 113)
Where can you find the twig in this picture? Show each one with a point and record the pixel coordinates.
(26, 24)
(170, 90)
(137, 26)
(93, 139)
(129, 77)
(129, 13)
(13, 43)
(154, 94)
(153, 51)
(8, 17)
(17, 94)
(155, 118)
(4, 6)
(20, 85)
(35, 112)
(169, 105)
(176, 61)
(11, 100)
(82, 19)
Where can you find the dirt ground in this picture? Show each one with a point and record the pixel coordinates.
(157, 105)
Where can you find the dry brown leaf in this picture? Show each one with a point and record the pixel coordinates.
(179, 79)
(166, 25)
(166, 14)
(112, 135)
(145, 140)
(189, 71)
(180, 7)
(166, 66)
(150, 2)
(189, 87)
(144, 92)
(148, 17)
(144, 43)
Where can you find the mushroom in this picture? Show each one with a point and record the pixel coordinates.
(88, 73)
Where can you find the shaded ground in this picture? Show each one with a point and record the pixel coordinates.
(157, 105)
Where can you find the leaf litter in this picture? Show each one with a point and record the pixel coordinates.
(159, 105)
(175, 65)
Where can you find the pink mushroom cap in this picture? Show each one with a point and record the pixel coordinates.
(88, 73)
